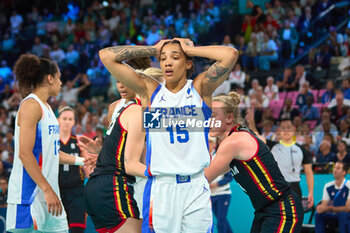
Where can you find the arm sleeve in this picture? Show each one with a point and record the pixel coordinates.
(325, 195)
(307, 157)
(270, 143)
(226, 179)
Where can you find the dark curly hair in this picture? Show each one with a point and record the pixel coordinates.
(30, 71)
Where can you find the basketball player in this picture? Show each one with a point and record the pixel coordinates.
(177, 196)
(33, 194)
(113, 208)
(277, 207)
(71, 177)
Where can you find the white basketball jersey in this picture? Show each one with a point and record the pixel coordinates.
(178, 145)
(22, 189)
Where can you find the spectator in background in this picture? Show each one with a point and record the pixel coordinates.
(99, 78)
(326, 129)
(57, 54)
(3, 171)
(325, 155)
(342, 154)
(242, 49)
(338, 106)
(302, 76)
(322, 58)
(261, 98)
(69, 93)
(16, 21)
(308, 111)
(252, 52)
(270, 22)
(237, 77)
(344, 131)
(330, 137)
(267, 130)
(153, 36)
(335, 204)
(3, 191)
(289, 37)
(271, 89)
(345, 87)
(227, 42)
(247, 27)
(255, 87)
(329, 93)
(303, 94)
(285, 81)
(89, 131)
(344, 65)
(38, 47)
(288, 111)
(72, 57)
(268, 53)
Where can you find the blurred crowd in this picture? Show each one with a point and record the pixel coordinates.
(72, 32)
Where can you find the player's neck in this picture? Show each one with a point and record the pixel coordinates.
(339, 181)
(64, 135)
(176, 86)
(42, 94)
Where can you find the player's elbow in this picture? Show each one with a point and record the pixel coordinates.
(128, 168)
(232, 54)
(103, 54)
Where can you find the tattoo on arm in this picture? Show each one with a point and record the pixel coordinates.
(124, 53)
(215, 72)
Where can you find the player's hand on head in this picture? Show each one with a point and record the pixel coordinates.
(185, 43)
(53, 203)
(159, 46)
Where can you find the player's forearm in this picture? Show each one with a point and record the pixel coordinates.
(69, 159)
(135, 169)
(123, 53)
(32, 167)
(309, 179)
(226, 57)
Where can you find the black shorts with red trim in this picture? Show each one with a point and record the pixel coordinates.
(73, 202)
(109, 201)
(282, 216)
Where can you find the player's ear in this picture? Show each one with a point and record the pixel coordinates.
(230, 118)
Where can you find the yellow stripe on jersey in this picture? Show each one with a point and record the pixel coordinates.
(284, 217)
(258, 182)
(264, 172)
(119, 205)
(128, 200)
(120, 150)
(294, 215)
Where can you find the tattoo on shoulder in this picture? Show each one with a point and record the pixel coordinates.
(124, 53)
(215, 72)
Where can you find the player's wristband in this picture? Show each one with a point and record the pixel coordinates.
(79, 161)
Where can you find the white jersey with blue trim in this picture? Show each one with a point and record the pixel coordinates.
(175, 147)
(22, 189)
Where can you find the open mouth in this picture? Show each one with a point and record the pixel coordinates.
(169, 72)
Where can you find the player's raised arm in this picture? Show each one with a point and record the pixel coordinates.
(112, 58)
(225, 57)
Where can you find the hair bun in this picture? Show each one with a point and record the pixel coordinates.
(236, 98)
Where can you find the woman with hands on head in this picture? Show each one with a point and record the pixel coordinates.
(33, 187)
(174, 167)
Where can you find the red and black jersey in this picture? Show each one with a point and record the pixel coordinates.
(70, 176)
(111, 158)
(259, 176)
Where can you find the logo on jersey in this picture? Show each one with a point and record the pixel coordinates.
(234, 170)
(187, 116)
(162, 99)
(151, 120)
